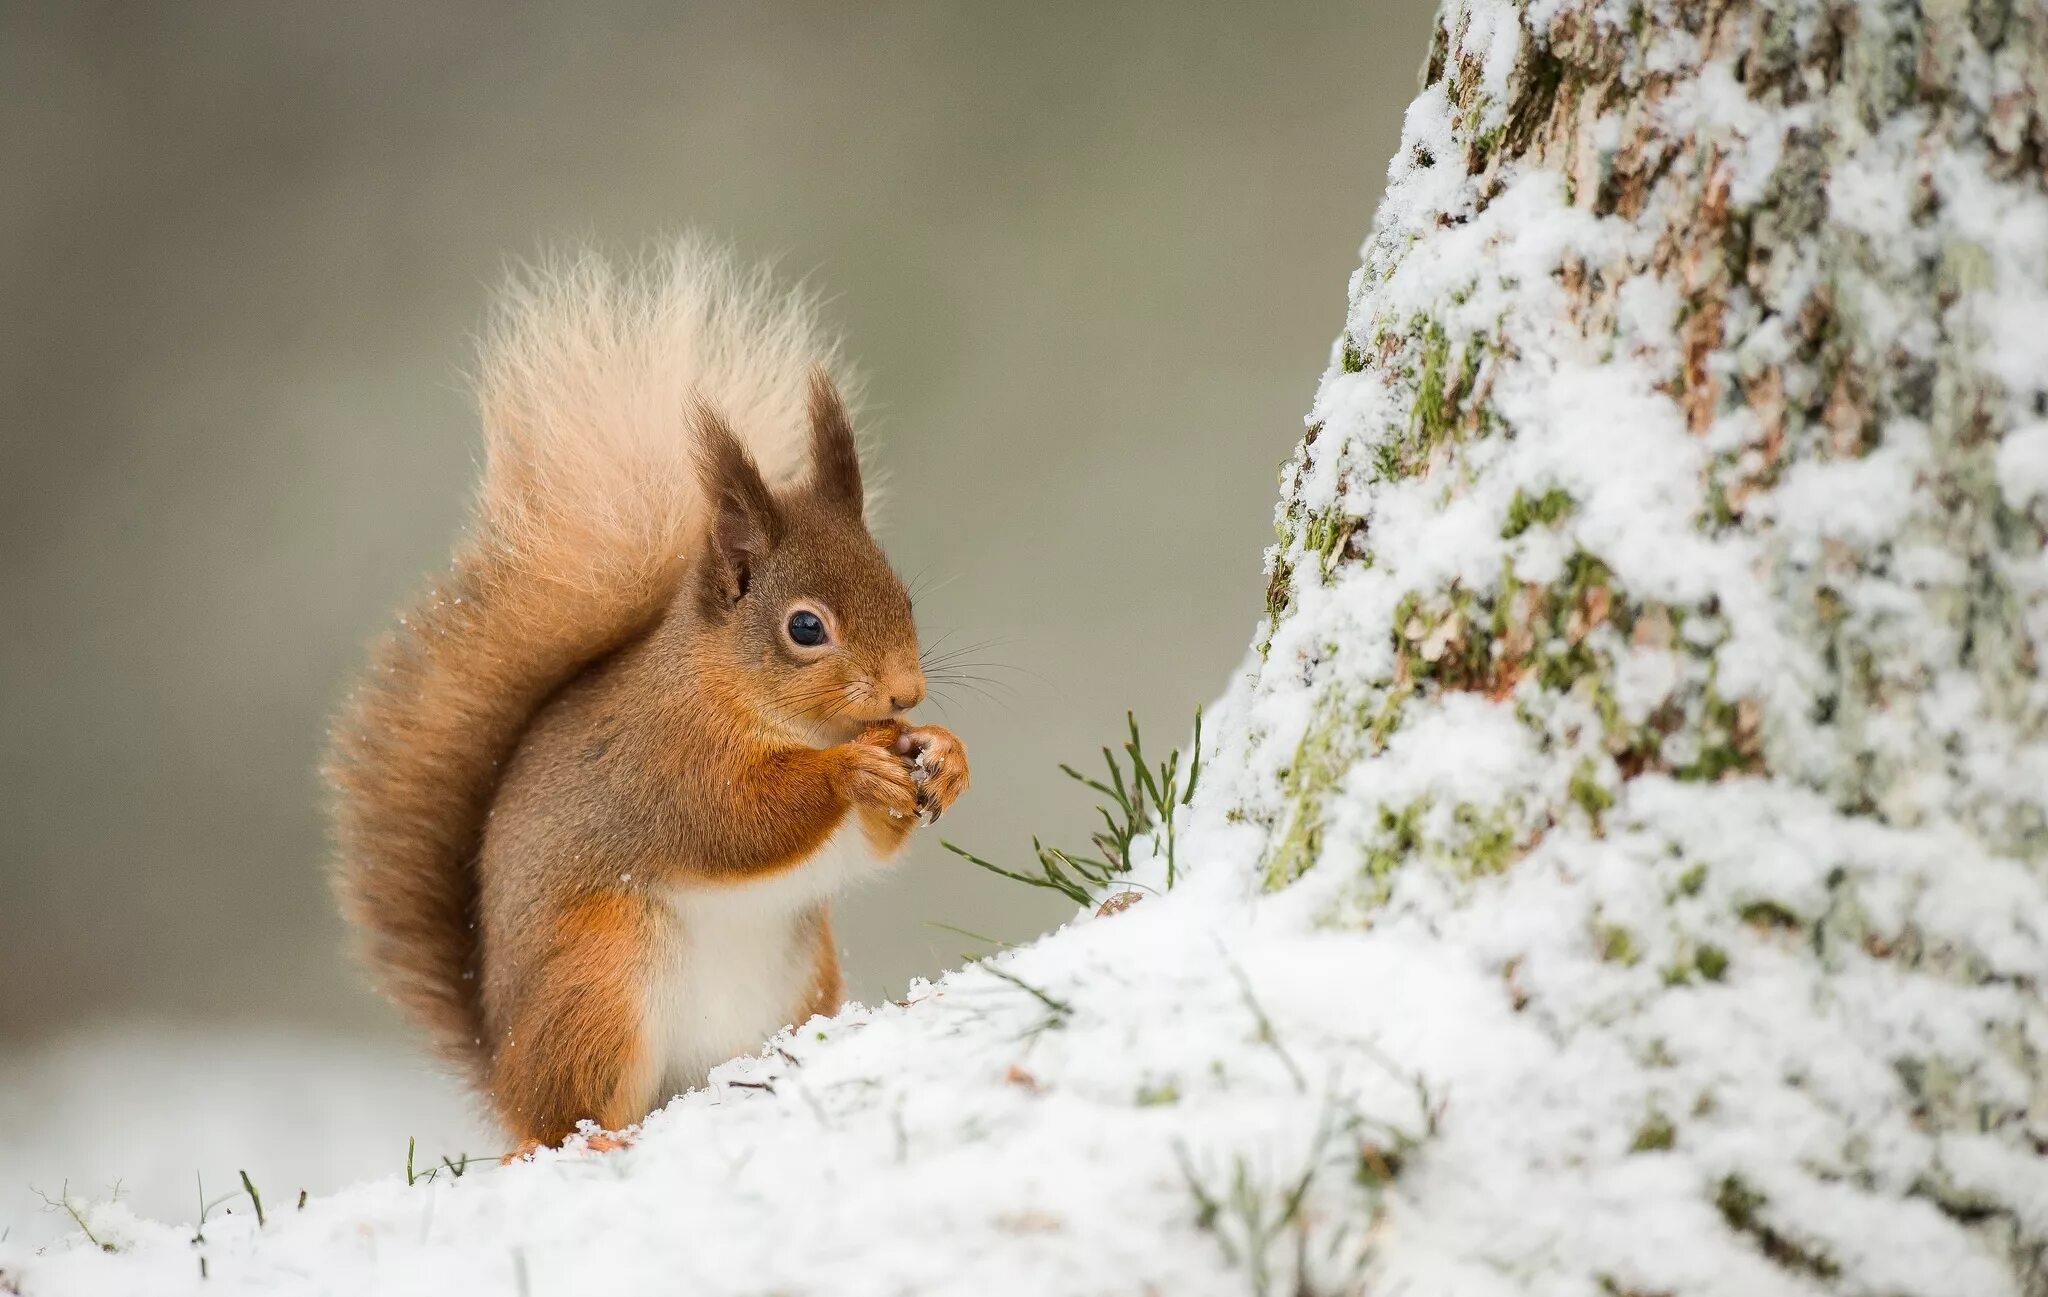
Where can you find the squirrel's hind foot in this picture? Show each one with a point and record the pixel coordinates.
(600, 1141)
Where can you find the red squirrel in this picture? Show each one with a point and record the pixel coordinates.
(596, 790)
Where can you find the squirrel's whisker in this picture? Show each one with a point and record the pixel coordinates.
(969, 677)
(934, 588)
(933, 647)
(976, 647)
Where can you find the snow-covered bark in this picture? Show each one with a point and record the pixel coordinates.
(1622, 865)
(1659, 621)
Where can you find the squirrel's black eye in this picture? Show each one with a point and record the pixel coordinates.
(806, 629)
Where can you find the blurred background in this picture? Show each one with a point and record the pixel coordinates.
(1090, 255)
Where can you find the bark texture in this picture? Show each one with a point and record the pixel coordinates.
(1664, 564)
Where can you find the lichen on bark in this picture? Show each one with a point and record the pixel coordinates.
(1681, 418)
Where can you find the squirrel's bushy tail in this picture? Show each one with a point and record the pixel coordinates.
(586, 513)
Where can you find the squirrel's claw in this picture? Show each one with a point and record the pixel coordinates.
(939, 769)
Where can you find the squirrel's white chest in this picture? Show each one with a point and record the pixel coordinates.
(737, 962)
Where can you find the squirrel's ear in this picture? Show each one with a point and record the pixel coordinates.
(835, 459)
(744, 522)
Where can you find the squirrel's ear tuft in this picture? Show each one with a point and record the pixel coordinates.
(835, 459)
(744, 522)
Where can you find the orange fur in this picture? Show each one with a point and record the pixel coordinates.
(571, 1052)
(828, 988)
(602, 701)
(586, 512)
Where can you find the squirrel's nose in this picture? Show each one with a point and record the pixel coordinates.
(906, 694)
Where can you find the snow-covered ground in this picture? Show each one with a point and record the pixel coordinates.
(160, 1111)
(1132, 1102)
(1211, 1091)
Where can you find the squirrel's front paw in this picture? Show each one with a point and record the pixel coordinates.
(877, 776)
(938, 763)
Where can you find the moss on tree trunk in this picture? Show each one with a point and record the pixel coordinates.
(1782, 265)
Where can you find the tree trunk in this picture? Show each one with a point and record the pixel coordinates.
(1658, 615)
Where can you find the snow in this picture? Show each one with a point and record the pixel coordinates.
(971, 1137)
(161, 1110)
(2023, 465)
(1522, 1024)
